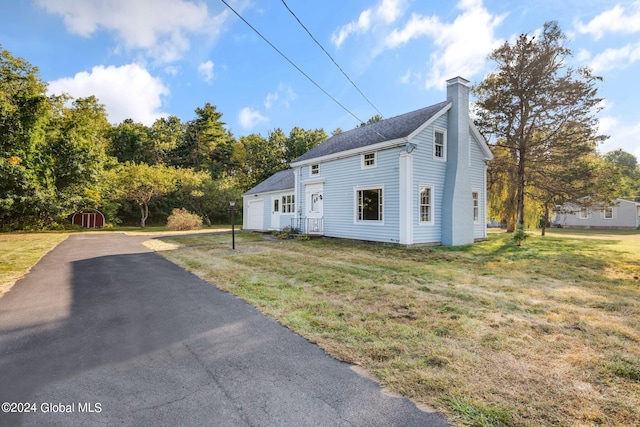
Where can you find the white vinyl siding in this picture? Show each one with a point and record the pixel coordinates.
(623, 214)
(477, 174)
(341, 177)
(428, 171)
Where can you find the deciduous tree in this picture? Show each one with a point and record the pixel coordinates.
(140, 183)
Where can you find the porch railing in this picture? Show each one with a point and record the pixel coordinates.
(308, 225)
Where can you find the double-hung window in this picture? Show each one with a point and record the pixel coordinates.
(440, 144)
(584, 213)
(426, 204)
(476, 206)
(370, 206)
(608, 212)
(288, 203)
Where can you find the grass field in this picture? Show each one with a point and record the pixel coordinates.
(489, 334)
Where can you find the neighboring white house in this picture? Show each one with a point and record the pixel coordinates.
(622, 214)
(417, 178)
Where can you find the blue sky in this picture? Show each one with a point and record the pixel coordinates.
(150, 58)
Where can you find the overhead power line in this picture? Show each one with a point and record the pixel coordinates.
(331, 57)
(291, 62)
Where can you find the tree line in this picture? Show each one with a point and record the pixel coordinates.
(59, 156)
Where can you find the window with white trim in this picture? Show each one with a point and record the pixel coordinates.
(315, 169)
(426, 204)
(288, 203)
(476, 206)
(370, 207)
(584, 213)
(369, 160)
(608, 212)
(440, 144)
(276, 205)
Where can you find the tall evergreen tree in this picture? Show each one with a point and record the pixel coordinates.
(300, 141)
(206, 144)
(539, 110)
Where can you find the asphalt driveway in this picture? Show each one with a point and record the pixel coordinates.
(103, 331)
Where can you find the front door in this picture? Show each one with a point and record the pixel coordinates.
(315, 208)
(275, 213)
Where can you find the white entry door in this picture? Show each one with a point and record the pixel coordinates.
(275, 213)
(315, 208)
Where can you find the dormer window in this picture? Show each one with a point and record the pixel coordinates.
(369, 160)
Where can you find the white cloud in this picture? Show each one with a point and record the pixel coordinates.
(284, 94)
(620, 136)
(361, 25)
(128, 91)
(615, 20)
(249, 118)
(206, 70)
(411, 77)
(160, 27)
(387, 12)
(461, 46)
(583, 56)
(616, 58)
(172, 70)
(270, 99)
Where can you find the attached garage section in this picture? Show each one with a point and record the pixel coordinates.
(255, 215)
(264, 206)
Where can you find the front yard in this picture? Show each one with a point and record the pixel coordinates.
(490, 334)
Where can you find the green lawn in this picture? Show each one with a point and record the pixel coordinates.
(489, 334)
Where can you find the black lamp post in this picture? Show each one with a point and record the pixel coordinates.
(232, 203)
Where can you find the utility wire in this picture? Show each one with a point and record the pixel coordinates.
(330, 57)
(291, 62)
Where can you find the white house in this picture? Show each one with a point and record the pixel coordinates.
(417, 178)
(621, 214)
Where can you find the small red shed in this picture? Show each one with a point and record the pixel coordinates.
(90, 218)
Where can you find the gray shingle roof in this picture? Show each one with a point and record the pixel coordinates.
(384, 130)
(282, 180)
